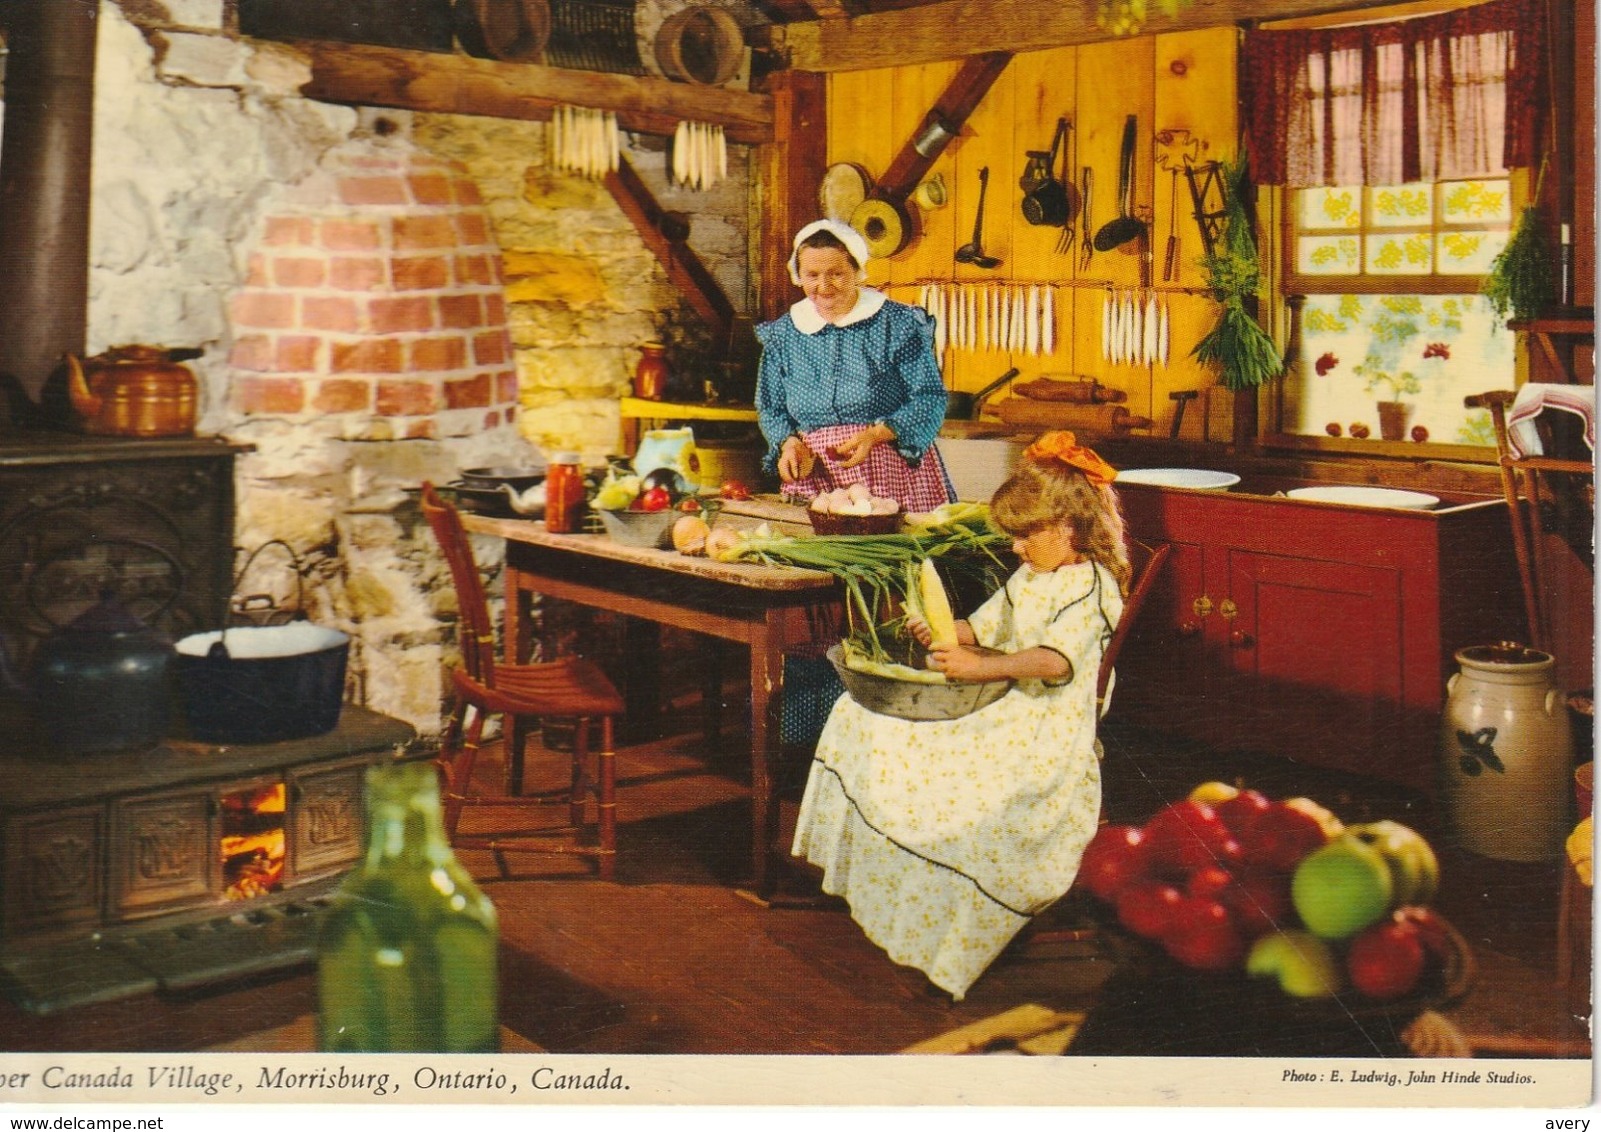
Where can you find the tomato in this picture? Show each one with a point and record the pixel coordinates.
(689, 504)
(1419, 433)
(734, 489)
(656, 499)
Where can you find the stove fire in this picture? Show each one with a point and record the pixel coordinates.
(252, 842)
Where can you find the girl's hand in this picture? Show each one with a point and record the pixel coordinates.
(919, 629)
(795, 460)
(959, 662)
(855, 449)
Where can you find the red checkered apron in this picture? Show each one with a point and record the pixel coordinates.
(885, 472)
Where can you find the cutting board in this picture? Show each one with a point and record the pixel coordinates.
(1104, 420)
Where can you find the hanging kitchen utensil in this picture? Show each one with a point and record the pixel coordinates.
(1209, 196)
(512, 31)
(973, 251)
(886, 225)
(845, 185)
(1049, 200)
(1126, 226)
(1088, 176)
(1171, 255)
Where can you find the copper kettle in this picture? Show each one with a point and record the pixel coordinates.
(134, 391)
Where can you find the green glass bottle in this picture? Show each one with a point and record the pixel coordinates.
(407, 955)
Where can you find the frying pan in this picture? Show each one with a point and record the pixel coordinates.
(966, 406)
(1120, 230)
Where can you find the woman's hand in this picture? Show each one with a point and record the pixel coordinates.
(795, 460)
(855, 449)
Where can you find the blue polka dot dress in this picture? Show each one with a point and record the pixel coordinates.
(946, 837)
(875, 364)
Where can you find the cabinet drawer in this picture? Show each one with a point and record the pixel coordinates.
(54, 869)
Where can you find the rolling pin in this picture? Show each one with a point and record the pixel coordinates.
(1083, 391)
(1110, 420)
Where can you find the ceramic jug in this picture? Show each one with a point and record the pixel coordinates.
(672, 448)
(1507, 750)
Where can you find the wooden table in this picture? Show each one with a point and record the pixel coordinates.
(767, 608)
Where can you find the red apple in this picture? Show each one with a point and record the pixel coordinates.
(1431, 928)
(1240, 812)
(1201, 935)
(1114, 858)
(1146, 907)
(1280, 836)
(1209, 882)
(1386, 960)
(1419, 433)
(1188, 835)
(1260, 903)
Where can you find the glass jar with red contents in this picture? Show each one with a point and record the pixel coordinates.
(650, 375)
(564, 494)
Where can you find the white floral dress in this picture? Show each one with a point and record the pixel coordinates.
(946, 837)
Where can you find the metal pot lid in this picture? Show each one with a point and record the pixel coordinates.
(845, 186)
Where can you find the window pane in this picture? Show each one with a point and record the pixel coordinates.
(1409, 206)
(1330, 208)
(1468, 253)
(1400, 253)
(1327, 255)
(1429, 351)
(1476, 202)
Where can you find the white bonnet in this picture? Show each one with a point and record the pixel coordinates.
(853, 240)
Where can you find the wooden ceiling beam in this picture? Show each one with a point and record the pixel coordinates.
(957, 28)
(361, 75)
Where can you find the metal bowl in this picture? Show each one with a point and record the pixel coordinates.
(907, 699)
(641, 528)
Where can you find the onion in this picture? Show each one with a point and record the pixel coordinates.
(689, 535)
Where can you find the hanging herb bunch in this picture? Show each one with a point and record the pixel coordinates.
(1520, 279)
(1237, 345)
(1127, 17)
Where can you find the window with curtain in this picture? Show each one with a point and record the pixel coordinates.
(1394, 144)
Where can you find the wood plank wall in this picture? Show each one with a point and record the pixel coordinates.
(1179, 81)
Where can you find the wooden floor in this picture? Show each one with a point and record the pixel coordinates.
(670, 958)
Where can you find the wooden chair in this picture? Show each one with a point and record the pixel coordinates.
(521, 694)
(1147, 566)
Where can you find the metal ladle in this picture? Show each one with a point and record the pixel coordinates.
(973, 251)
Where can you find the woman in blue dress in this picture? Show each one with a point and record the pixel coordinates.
(849, 390)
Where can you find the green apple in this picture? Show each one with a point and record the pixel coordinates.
(1414, 868)
(1304, 965)
(1341, 888)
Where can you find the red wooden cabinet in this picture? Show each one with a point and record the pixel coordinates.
(1318, 632)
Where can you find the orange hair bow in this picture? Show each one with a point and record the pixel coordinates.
(1064, 446)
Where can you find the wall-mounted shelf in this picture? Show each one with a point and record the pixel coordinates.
(362, 75)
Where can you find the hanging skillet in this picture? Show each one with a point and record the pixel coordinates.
(1119, 231)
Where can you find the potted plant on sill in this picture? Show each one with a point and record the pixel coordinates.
(1242, 351)
(1393, 411)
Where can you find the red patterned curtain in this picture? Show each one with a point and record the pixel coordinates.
(1460, 94)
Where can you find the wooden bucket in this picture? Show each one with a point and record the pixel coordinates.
(513, 31)
(700, 45)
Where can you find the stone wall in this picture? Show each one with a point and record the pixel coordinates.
(202, 143)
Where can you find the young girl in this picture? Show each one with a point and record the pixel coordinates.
(947, 837)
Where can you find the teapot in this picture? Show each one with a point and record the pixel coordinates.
(670, 448)
(133, 391)
(98, 683)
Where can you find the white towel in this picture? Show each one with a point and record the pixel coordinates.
(1533, 399)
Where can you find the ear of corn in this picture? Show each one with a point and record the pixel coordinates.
(936, 606)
